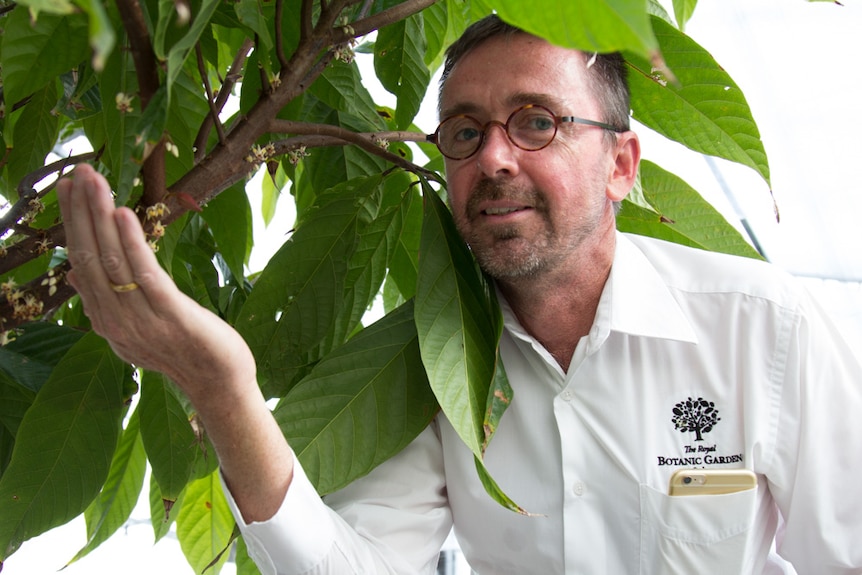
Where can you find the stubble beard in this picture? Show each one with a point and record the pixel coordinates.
(505, 253)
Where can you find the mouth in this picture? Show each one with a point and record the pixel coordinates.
(500, 211)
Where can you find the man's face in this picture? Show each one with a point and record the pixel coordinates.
(526, 212)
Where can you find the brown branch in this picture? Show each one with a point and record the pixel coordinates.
(202, 69)
(279, 39)
(146, 69)
(230, 80)
(306, 24)
(326, 135)
(376, 21)
(27, 193)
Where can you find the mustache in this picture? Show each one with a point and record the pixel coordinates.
(501, 189)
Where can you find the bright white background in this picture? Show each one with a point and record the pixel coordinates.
(797, 64)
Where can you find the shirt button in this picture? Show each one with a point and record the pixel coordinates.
(566, 395)
(579, 488)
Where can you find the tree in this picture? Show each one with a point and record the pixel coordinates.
(145, 83)
(697, 415)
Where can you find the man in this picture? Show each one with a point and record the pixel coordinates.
(629, 358)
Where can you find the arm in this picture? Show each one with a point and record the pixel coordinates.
(815, 470)
(107, 246)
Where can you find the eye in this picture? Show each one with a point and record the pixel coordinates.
(466, 134)
(537, 121)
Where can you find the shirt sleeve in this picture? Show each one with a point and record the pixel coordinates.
(814, 477)
(394, 520)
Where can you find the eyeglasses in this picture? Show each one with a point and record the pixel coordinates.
(531, 128)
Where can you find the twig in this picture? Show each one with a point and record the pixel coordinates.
(395, 14)
(279, 39)
(209, 93)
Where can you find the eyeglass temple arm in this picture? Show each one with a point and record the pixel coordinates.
(576, 120)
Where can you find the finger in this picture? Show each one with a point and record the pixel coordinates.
(153, 282)
(106, 233)
(81, 245)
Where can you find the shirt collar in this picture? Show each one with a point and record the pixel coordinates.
(635, 301)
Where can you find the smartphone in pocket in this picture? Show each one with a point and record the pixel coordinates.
(711, 481)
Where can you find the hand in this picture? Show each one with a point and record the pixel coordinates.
(133, 303)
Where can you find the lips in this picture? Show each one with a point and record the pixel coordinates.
(501, 211)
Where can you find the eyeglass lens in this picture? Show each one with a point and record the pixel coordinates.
(530, 128)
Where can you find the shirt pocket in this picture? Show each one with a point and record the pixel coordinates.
(695, 533)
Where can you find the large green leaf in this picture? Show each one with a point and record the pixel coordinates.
(229, 218)
(340, 87)
(64, 445)
(459, 326)
(362, 404)
(35, 134)
(30, 358)
(679, 214)
(114, 505)
(161, 517)
(123, 153)
(178, 53)
(205, 524)
(168, 437)
(589, 25)
(399, 64)
(35, 53)
(296, 300)
(704, 109)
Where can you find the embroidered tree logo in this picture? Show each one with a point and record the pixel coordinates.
(697, 415)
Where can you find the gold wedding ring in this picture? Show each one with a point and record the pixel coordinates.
(123, 288)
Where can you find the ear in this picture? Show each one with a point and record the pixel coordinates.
(626, 158)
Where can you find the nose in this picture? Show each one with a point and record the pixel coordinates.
(497, 155)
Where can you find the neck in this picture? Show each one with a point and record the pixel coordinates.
(558, 307)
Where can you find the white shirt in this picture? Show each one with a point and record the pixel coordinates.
(590, 452)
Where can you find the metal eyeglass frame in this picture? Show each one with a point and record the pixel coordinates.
(434, 138)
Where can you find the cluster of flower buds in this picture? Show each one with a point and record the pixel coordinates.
(25, 306)
(155, 213)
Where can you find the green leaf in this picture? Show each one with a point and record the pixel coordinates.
(168, 437)
(30, 358)
(102, 37)
(64, 445)
(123, 152)
(297, 298)
(362, 404)
(704, 110)
(399, 64)
(205, 523)
(114, 505)
(588, 25)
(35, 134)
(459, 325)
(15, 400)
(340, 88)
(229, 218)
(50, 6)
(681, 215)
(162, 514)
(682, 10)
(178, 53)
(404, 264)
(35, 53)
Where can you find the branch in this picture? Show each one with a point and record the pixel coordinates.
(27, 193)
(318, 135)
(306, 24)
(231, 78)
(395, 14)
(279, 39)
(146, 69)
(209, 93)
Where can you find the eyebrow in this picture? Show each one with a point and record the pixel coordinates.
(515, 100)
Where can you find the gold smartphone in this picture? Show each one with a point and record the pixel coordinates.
(711, 481)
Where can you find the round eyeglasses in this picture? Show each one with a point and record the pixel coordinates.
(531, 128)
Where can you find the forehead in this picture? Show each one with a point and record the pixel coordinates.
(507, 71)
